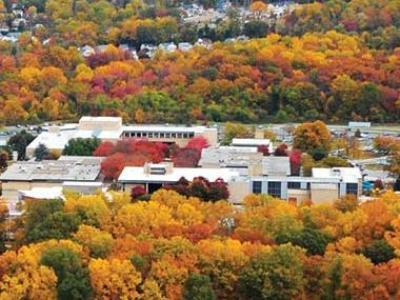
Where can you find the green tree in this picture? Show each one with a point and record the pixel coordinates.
(81, 147)
(256, 29)
(19, 142)
(45, 219)
(198, 287)
(73, 279)
(313, 240)
(379, 251)
(41, 152)
(277, 274)
(334, 282)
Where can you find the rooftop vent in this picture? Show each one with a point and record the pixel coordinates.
(159, 170)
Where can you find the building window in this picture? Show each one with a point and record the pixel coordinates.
(274, 189)
(352, 188)
(294, 185)
(308, 185)
(257, 189)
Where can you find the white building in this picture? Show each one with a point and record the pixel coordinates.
(47, 179)
(154, 176)
(171, 133)
(239, 159)
(325, 185)
(55, 138)
(239, 142)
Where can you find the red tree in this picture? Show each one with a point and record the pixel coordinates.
(295, 162)
(281, 150)
(104, 149)
(113, 165)
(186, 158)
(198, 143)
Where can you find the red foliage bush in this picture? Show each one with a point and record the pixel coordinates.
(137, 191)
(264, 149)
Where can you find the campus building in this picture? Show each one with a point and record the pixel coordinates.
(325, 185)
(55, 138)
(80, 174)
(240, 159)
(171, 134)
(154, 176)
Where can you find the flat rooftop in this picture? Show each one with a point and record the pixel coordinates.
(276, 166)
(83, 169)
(137, 174)
(344, 174)
(53, 140)
(100, 119)
(43, 193)
(250, 142)
(59, 139)
(230, 156)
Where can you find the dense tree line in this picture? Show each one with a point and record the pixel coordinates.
(330, 76)
(179, 247)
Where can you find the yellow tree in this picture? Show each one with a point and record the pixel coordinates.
(258, 8)
(114, 279)
(141, 217)
(22, 275)
(98, 242)
(313, 138)
(14, 112)
(93, 207)
(222, 261)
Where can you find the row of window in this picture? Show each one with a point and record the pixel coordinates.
(158, 135)
(274, 187)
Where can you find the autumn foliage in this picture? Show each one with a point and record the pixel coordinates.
(136, 152)
(152, 249)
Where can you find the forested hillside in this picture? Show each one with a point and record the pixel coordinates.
(334, 61)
